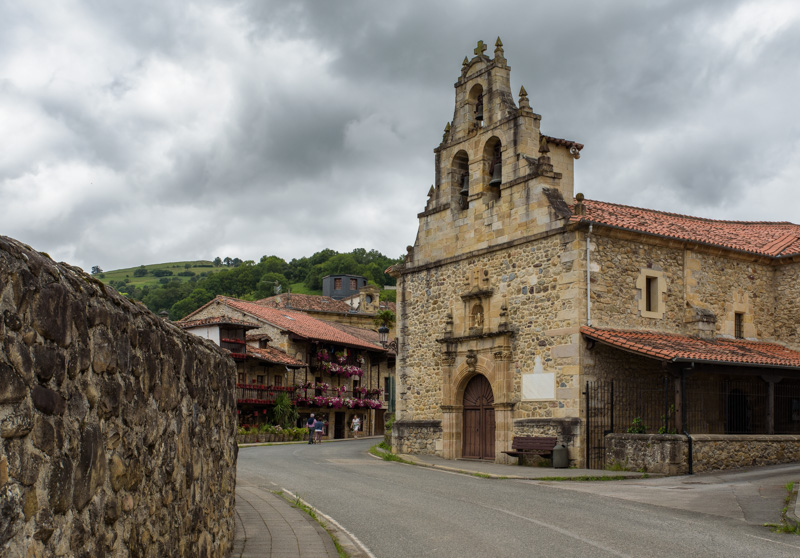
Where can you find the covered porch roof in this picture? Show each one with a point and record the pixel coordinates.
(668, 347)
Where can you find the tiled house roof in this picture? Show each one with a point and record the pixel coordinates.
(774, 239)
(367, 335)
(298, 323)
(314, 303)
(218, 320)
(682, 348)
(273, 355)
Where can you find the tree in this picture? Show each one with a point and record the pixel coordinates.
(384, 318)
(284, 414)
(217, 261)
(96, 269)
(140, 271)
(266, 285)
(227, 261)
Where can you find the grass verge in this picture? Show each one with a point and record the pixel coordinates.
(785, 526)
(299, 504)
(388, 455)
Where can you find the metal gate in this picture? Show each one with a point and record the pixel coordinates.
(642, 406)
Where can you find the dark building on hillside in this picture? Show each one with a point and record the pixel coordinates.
(342, 286)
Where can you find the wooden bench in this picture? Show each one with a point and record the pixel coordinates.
(532, 445)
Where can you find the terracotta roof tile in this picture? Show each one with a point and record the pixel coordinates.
(217, 320)
(763, 238)
(299, 323)
(682, 348)
(367, 335)
(564, 142)
(271, 354)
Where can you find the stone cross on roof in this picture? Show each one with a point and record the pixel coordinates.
(480, 49)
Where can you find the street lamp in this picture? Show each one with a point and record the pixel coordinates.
(383, 335)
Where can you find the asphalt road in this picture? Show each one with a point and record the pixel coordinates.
(400, 510)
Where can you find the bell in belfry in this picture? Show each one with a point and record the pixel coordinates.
(479, 109)
(497, 175)
(464, 186)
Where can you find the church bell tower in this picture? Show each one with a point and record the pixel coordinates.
(496, 173)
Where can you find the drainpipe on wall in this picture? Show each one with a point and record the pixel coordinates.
(683, 417)
(588, 279)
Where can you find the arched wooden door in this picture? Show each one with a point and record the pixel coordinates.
(478, 428)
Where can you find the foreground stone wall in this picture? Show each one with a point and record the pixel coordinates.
(117, 429)
(669, 454)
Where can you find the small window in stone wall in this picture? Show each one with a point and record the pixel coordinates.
(337, 284)
(242, 379)
(260, 380)
(652, 286)
(738, 325)
(278, 381)
(353, 284)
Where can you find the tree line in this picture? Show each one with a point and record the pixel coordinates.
(249, 280)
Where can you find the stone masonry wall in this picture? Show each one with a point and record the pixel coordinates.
(723, 284)
(117, 430)
(787, 305)
(714, 452)
(666, 454)
(540, 286)
(669, 454)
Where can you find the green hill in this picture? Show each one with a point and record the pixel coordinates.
(183, 271)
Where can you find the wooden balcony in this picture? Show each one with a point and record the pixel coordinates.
(308, 397)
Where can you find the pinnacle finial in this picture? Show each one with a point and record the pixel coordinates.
(447, 127)
(465, 62)
(498, 43)
(522, 92)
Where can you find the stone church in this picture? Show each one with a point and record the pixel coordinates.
(519, 295)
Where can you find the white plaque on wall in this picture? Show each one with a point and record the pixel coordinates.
(539, 386)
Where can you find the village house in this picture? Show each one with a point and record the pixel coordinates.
(334, 370)
(657, 340)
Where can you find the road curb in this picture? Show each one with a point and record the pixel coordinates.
(348, 541)
(792, 515)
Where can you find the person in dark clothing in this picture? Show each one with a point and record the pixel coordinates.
(310, 426)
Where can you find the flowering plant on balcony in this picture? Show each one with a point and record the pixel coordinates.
(341, 356)
(323, 386)
(323, 355)
(360, 360)
(341, 389)
(376, 391)
(360, 390)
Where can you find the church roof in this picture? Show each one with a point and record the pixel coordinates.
(774, 239)
(682, 348)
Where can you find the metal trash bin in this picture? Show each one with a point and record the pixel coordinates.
(560, 457)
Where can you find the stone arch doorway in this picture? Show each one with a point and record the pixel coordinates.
(479, 423)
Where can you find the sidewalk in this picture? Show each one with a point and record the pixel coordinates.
(495, 470)
(267, 525)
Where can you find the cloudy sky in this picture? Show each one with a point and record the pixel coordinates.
(158, 130)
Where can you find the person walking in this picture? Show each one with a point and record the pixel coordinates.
(355, 426)
(318, 427)
(310, 427)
